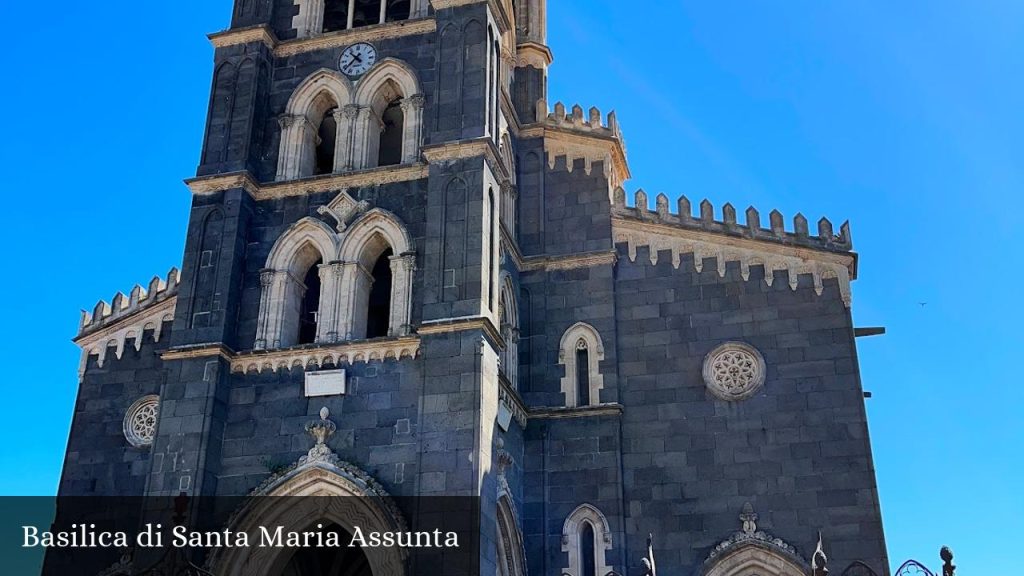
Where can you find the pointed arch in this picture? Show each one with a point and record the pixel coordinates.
(581, 351)
(389, 100)
(755, 559)
(322, 488)
(321, 98)
(375, 235)
(308, 232)
(295, 265)
(393, 69)
(511, 557)
(583, 517)
(508, 312)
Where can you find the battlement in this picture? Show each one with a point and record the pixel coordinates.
(575, 120)
(121, 306)
(776, 232)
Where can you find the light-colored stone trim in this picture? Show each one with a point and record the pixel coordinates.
(534, 55)
(467, 149)
(579, 144)
(734, 371)
(569, 261)
(571, 539)
(345, 353)
(238, 36)
(327, 183)
(567, 347)
(330, 40)
(560, 412)
(117, 333)
(752, 551)
(448, 325)
(141, 434)
(511, 398)
(774, 257)
(341, 38)
(199, 351)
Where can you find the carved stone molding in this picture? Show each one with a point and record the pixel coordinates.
(140, 421)
(569, 261)
(608, 409)
(344, 208)
(752, 546)
(357, 179)
(773, 257)
(347, 353)
(330, 40)
(116, 334)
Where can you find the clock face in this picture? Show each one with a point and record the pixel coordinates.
(357, 59)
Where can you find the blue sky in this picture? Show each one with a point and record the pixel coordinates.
(903, 117)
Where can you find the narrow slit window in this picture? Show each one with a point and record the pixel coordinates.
(327, 136)
(582, 374)
(378, 316)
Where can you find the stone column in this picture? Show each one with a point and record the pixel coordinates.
(345, 118)
(366, 137)
(402, 268)
(412, 111)
(330, 302)
(296, 132)
(263, 330)
(309, 21)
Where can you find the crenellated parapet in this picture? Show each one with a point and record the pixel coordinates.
(776, 249)
(105, 313)
(592, 123)
(577, 135)
(111, 325)
(798, 235)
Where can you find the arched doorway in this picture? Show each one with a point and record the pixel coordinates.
(340, 561)
(317, 493)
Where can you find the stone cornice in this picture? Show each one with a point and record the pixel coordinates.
(448, 325)
(551, 413)
(212, 350)
(533, 54)
(330, 40)
(512, 248)
(327, 354)
(796, 260)
(589, 146)
(569, 261)
(236, 36)
(510, 396)
(467, 149)
(117, 333)
(358, 179)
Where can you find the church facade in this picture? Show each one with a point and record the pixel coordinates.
(408, 274)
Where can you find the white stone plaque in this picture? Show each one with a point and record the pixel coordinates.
(504, 415)
(325, 383)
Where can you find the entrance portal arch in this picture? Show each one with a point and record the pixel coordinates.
(317, 490)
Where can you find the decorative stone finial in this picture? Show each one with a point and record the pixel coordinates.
(320, 430)
(749, 519)
(648, 561)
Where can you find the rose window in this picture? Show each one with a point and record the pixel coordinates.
(140, 421)
(734, 371)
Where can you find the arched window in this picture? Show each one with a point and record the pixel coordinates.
(293, 288)
(378, 314)
(508, 362)
(587, 567)
(390, 113)
(378, 265)
(310, 307)
(582, 376)
(389, 152)
(581, 352)
(490, 220)
(327, 136)
(314, 128)
(586, 537)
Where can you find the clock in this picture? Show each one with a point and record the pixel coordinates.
(357, 59)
